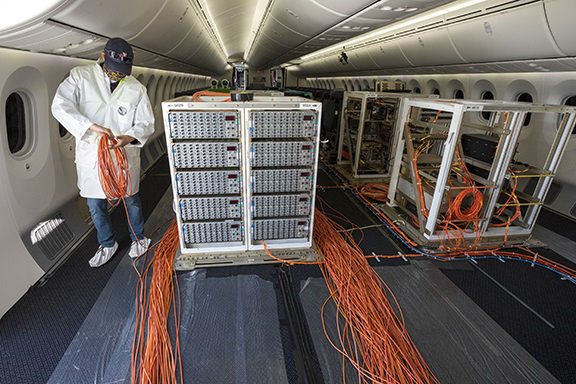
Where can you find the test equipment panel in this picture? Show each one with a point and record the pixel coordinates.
(243, 173)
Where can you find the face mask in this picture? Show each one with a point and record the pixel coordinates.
(113, 75)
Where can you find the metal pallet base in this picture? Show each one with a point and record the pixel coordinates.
(188, 262)
(431, 245)
(365, 179)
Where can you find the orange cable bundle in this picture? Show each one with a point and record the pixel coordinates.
(113, 171)
(373, 338)
(198, 95)
(154, 359)
(376, 191)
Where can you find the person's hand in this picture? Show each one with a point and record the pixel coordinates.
(121, 141)
(100, 130)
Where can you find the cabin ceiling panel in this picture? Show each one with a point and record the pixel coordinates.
(283, 36)
(190, 46)
(348, 20)
(562, 24)
(305, 18)
(233, 19)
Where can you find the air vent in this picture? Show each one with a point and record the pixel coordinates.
(52, 236)
(464, 16)
(430, 25)
(510, 4)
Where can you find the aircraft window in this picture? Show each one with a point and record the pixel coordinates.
(571, 102)
(416, 90)
(526, 98)
(16, 122)
(487, 95)
(436, 91)
(459, 94)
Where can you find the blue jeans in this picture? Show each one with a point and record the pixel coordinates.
(104, 231)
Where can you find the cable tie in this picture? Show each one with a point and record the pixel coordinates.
(377, 258)
(470, 258)
(498, 257)
(403, 257)
(534, 259)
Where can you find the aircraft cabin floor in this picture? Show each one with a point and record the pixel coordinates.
(489, 322)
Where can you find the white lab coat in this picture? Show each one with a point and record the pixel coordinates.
(84, 98)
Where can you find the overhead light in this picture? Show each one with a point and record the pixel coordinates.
(16, 13)
(386, 8)
(400, 25)
(261, 11)
(411, 9)
(211, 26)
(399, 9)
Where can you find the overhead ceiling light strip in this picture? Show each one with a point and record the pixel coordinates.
(262, 19)
(203, 13)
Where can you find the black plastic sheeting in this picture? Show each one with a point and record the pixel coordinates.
(460, 343)
(229, 332)
(533, 305)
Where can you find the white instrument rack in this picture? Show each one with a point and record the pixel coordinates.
(243, 174)
(438, 141)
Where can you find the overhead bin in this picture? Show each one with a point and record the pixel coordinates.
(504, 35)
(111, 17)
(562, 24)
(430, 48)
(360, 60)
(168, 28)
(48, 37)
(388, 55)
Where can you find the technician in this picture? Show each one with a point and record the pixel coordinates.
(103, 99)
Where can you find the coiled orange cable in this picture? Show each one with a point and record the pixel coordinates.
(113, 171)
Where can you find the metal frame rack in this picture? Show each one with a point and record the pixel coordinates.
(366, 134)
(243, 173)
(457, 183)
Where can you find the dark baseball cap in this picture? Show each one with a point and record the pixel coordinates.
(118, 56)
